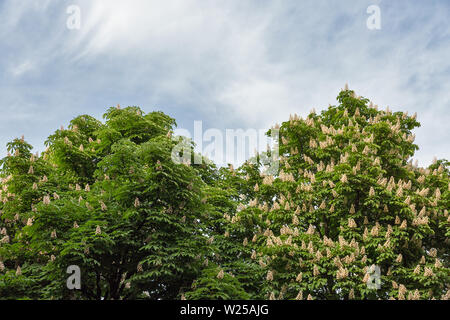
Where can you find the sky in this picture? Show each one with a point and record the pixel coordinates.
(231, 64)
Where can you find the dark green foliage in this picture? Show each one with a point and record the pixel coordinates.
(117, 206)
(108, 198)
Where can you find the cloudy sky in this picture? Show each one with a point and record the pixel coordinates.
(232, 64)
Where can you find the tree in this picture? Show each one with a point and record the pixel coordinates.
(107, 198)
(345, 204)
(229, 270)
(348, 215)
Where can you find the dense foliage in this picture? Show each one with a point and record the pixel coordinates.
(109, 198)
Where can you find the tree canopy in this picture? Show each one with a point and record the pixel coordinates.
(346, 204)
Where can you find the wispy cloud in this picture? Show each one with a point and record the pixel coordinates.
(230, 63)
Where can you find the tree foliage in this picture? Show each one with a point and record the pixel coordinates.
(108, 198)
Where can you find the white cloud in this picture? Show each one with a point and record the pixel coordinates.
(22, 68)
(240, 64)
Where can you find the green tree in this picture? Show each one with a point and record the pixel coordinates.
(347, 198)
(109, 199)
(229, 271)
(346, 201)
